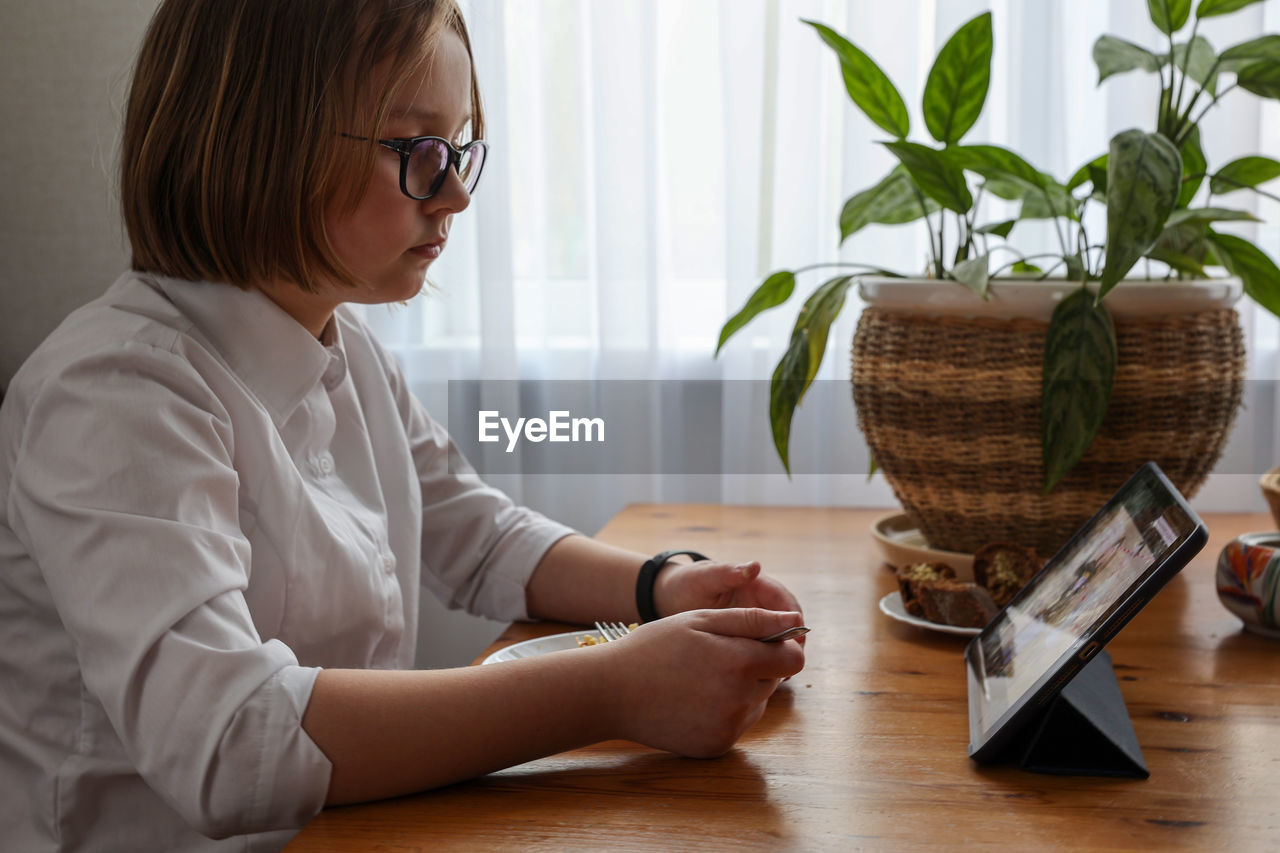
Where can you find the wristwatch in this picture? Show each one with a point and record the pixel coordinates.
(649, 574)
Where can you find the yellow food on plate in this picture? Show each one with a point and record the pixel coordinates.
(593, 640)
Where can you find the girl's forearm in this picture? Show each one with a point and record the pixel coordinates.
(581, 580)
(389, 733)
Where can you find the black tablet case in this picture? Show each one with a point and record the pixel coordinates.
(1085, 731)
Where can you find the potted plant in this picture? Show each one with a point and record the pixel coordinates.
(1020, 423)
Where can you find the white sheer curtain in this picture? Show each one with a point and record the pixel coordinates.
(652, 160)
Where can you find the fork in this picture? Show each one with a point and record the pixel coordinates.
(610, 631)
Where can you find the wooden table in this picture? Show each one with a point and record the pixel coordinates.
(866, 748)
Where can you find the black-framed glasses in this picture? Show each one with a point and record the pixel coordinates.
(424, 161)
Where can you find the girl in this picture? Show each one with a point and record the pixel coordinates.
(219, 499)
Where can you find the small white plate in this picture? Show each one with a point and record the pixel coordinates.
(891, 606)
(540, 646)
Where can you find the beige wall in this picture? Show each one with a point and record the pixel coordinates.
(64, 75)
(65, 67)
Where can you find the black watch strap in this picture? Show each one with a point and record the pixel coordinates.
(648, 574)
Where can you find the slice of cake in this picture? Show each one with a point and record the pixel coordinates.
(1004, 568)
(909, 576)
(953, 602)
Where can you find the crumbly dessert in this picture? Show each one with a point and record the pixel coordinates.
(910, 576)
(953, 602)
(931, 591)
(1004, 568)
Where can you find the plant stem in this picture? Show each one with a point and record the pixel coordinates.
(1182, 84)
(1178, 142)
(1057, 226)
(1022, 259)
(1082, 249)
(973, 217)
(1166, 97)
(829, 264)
(934, 249)
(942, 243)
(1183, 127)
(1044, 275)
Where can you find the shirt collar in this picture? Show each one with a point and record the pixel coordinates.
(278, 359)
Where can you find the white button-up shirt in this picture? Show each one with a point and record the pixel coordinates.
(201, 504)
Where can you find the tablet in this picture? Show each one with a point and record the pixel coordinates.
(1090, 589)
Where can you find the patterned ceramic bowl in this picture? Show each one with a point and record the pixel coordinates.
(1249, 581)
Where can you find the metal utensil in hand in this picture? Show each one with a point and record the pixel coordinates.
(798, 631)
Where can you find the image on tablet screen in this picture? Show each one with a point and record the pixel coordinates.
(1049, 620)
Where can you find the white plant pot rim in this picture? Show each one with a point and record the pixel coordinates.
(1034, 299)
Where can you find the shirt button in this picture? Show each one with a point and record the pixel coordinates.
(325, 464)
(388, 563)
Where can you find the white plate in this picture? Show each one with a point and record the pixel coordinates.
(540, 646)
(891, 606)
(902, 544)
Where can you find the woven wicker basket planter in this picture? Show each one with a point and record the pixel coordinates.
(947, 390)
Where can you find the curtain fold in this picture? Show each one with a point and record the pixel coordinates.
(653, 160)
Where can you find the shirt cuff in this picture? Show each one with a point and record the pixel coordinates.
(293, 777)
(512, 562)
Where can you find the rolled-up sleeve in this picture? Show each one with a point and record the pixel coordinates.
(126, 494)
(479, 547)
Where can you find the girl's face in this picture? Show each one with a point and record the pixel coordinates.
(388, 240)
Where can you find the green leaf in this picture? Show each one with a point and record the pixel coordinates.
(1048, 203)
(1000, 229)
(1144, 176)
(1262, 78)
(1245, 173)
(1187, 240)
(819, 312)
(1024, 267)
(785, 390)
(1006, 189)
(1079, 368)
(957, 84)
(1194, 165)
(935, 174)
(995, 163)
(1181, 263)
(1094, 171)
(973, 274)
(1246, 53)
(1116, 56)
(775, 290)
(1210, 8)
(1251, 265)
(1009, 176)
(893, 201)
(868, 86)
(1169, 15)
(1196, 59)
(1209, 214)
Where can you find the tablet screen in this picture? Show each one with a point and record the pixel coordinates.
(1061, 608)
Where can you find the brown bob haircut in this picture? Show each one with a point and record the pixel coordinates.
(233, 143)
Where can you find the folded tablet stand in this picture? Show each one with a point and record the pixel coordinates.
(1085, 731)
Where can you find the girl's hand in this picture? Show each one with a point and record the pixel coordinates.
(708, 584)
(693, 683)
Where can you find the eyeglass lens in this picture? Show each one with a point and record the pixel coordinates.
(429, 160)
